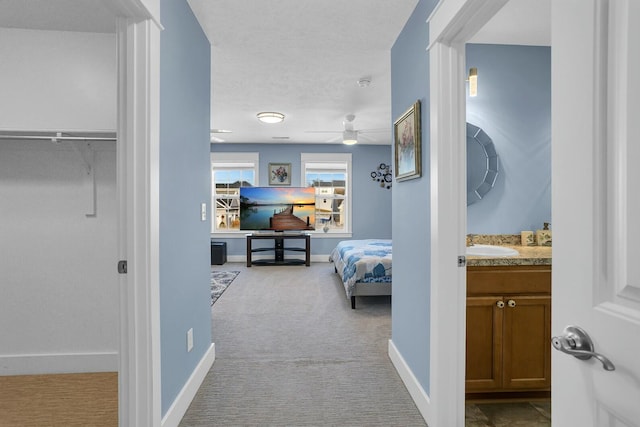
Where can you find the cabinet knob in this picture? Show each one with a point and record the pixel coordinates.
(500, 304)
(511, 303)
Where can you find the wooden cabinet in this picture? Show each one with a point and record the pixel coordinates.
(508, 329)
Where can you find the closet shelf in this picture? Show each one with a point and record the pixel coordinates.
(58, 136)
(81, 143)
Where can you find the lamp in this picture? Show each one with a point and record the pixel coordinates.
(270, 117)
(473, 81)
(349, 137)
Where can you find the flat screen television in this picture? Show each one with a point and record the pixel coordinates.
(277, 208)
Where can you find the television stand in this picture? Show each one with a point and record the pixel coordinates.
(279, 249)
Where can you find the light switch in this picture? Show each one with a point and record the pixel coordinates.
(203, 212)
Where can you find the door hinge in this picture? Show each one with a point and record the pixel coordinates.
(122, 267)
(462, 261)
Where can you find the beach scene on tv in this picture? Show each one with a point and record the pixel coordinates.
(277, 208)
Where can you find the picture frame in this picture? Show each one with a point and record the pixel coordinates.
(407, 137)
(279, 173)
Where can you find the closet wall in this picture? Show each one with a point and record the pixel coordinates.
(59, 285)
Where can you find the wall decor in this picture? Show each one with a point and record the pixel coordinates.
(279, 173)
(407, 143)
(383, 175)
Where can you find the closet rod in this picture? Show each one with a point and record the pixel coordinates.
(59, 138)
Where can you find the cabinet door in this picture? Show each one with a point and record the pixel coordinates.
(527, 342)
(484, 343)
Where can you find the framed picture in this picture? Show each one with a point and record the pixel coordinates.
(279, 173)
(407, 143)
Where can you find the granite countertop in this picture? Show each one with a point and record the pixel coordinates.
(528, 255)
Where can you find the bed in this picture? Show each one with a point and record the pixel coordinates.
(364, 267)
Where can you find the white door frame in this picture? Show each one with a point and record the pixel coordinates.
(138, 53)
(451, 24)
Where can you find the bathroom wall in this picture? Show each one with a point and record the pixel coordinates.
(513, 107)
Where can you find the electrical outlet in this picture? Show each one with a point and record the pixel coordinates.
(190, 339)
(203, 212)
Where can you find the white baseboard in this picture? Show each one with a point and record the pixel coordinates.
(179, 407)
(58, 363)
(419, 396)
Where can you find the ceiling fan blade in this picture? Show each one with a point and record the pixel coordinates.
(322, 131)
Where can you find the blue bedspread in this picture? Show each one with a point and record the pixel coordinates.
(366, 261)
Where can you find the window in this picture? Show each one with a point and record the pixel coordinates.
(330, 175)
(229, 172)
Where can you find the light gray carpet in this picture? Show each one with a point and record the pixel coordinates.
(290, 351)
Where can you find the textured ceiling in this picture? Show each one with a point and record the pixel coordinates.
(302, 58)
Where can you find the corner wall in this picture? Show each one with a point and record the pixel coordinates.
(411, 207)
(185, 183)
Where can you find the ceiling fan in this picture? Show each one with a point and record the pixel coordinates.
(349, 134)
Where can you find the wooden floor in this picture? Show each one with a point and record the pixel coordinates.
(59, 400)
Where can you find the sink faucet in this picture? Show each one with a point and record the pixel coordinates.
(471, 236)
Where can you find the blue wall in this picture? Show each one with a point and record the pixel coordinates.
(371, 204)
(513, 107)
(411, 206)
(184, 183)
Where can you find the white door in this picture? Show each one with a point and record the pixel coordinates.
(596, 208)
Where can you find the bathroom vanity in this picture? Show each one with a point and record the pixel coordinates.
(508, 340)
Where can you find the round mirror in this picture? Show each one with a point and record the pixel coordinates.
(482, 164)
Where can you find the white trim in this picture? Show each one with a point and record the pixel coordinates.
(417, 393)
(60, 363)
(459, 20)
(448, 215)
(185, 397)
(234, 157)
(237, 258)
(329, 158)
(139, 392)
(454, 22)
(243, 160)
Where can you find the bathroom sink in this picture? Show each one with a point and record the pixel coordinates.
(490, 250)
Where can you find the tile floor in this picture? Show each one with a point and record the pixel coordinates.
(515, 414)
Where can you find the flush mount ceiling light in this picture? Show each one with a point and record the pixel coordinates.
(364, 82)
(270, 117)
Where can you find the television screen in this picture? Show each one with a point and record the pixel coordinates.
(277, 208)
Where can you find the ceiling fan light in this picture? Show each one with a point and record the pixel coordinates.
(349, 137)
(270, 117)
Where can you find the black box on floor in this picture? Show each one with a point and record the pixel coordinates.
(218, 253)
